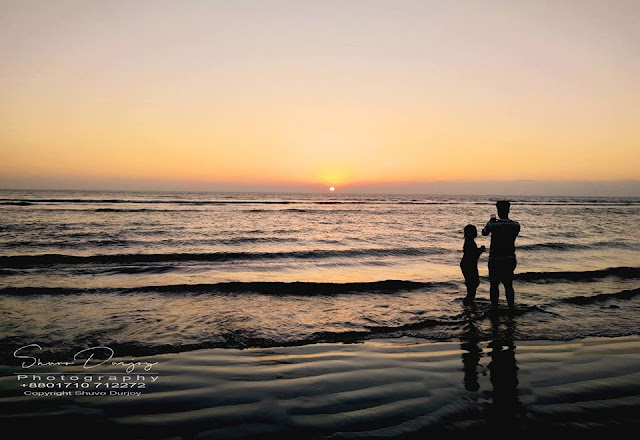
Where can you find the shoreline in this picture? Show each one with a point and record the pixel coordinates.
(381, 388)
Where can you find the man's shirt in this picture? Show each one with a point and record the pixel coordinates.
(503, 238)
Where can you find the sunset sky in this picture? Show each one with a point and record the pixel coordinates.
(306, 94)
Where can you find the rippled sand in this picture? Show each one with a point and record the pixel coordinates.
(400, 388)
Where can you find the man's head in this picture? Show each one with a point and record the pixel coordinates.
(503, 208)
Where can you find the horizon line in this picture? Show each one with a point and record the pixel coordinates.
(594, 188)
(314, 189)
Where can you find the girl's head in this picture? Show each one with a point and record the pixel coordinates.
(470, 231)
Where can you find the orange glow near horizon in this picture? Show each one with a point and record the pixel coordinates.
(266, 95)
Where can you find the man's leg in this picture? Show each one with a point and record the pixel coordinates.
(508, 283)
(494, 282)
(508, 288)
(494, 292)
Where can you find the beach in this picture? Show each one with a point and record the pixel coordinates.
(392, 388)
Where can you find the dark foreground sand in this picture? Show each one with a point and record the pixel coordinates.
(400, 388)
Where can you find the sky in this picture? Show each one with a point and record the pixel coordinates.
(401, 96)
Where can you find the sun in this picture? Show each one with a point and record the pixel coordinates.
(332, 189)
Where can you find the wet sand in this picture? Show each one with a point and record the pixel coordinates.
(392, 388)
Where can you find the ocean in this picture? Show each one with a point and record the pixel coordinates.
(154, 272)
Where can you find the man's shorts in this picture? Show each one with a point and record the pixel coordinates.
(501, 269)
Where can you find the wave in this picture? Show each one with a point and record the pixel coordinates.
(180, 201)
(584, 300)
(52, 244)
(441, 328)
(7, 272)
(297, 288)
(243, 240)
(131, 210)
(73, 209)
(285, 210)
(17, 261)
(301, 288)
(618, 272)
(35, 201)
(74, 243)
(308, 288)
(563, 246)
(232, 339)
(15, 203)
(348, 336)
(556, 246)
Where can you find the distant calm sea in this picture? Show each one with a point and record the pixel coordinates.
(165, 272)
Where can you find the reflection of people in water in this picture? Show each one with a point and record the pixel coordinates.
(469, 262)
(502, 253)
(505, 409)
(471, 355)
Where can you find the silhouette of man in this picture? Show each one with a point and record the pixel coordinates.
(502, 252)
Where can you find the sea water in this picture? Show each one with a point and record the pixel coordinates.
(152, 272)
